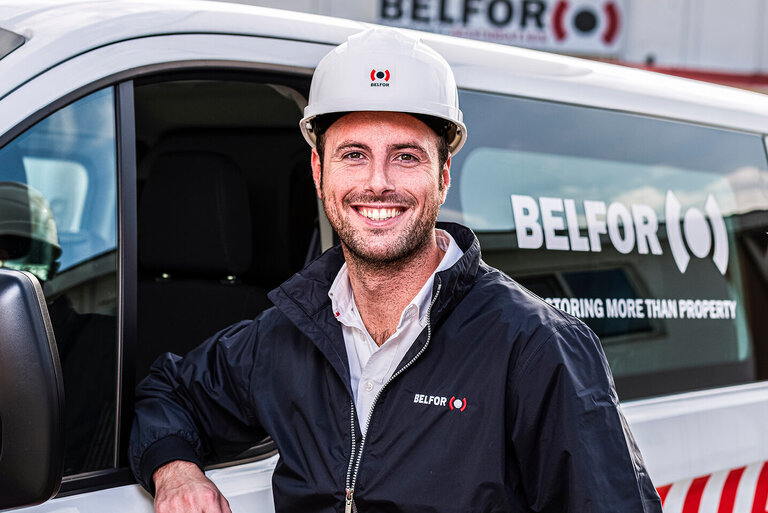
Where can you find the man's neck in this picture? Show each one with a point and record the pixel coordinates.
(383, 291)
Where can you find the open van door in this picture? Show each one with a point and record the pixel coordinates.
(31, 395)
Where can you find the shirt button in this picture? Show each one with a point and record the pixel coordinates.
(368, 386)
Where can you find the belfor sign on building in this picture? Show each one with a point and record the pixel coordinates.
(591, 27)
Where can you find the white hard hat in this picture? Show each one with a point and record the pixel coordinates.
(383, 69)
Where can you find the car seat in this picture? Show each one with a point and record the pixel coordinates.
(194, 243)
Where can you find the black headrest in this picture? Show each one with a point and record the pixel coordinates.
(194, 215)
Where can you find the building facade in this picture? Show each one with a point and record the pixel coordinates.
(724, 42)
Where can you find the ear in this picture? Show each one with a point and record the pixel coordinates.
(446, 174)
(317, 172)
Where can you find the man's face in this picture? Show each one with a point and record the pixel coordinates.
(381, 184)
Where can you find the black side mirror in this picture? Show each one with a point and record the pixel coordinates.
(31, 395)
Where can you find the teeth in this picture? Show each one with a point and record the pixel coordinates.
(380, 214)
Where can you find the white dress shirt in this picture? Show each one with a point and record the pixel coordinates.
(371, 366)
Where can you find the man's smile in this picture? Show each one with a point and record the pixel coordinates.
(380, 213)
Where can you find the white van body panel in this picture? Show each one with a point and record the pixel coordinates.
(202, 49)
(248, 488)
(70, 46)
(59, 32)
(697, 433)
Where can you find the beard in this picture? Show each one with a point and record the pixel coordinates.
(384, 247)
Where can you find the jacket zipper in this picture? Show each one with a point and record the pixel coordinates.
(355, 458)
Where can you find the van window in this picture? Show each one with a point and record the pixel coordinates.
(635, 225)
(58, 220)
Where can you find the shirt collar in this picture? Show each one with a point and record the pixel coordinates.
(343, 299)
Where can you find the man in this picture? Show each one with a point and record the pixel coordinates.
(397, 372)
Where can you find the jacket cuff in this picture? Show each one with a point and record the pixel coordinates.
(168, 449)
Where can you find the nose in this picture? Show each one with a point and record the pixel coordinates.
(379, 179)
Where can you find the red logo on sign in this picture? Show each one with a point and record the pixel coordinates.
(585, 21)
(457, 404)
(380, 75)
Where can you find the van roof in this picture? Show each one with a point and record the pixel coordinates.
(55, 31)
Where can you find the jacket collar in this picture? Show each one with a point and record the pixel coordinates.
(303, 298)
(456, 281)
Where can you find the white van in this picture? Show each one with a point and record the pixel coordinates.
(635, 201)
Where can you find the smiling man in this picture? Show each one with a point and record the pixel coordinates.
(382, 183)
(397, 372)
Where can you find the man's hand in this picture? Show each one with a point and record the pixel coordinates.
(181, 487)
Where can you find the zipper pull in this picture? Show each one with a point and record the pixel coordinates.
(350, 493)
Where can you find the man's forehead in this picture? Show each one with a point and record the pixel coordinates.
(392, 126)
(379, 117)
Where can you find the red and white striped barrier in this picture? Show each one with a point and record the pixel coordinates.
(739, 490)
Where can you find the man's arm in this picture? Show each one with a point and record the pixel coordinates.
(183, 488)
(192, 408)
(574, 450)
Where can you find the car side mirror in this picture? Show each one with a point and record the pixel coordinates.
(31, 395)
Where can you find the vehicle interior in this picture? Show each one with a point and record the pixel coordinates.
(226, 203)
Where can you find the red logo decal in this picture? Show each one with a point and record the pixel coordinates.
(586, 21)
(381, 75)
(557, 20)
(457, 404)
(612, 14)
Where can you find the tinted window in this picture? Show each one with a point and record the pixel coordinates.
(58, 220)
(636, 225)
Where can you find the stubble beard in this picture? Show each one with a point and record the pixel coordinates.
(410, 243)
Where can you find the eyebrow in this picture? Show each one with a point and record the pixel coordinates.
(409, 145)
(350, 144)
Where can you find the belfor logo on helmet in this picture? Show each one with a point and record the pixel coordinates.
(380, 78)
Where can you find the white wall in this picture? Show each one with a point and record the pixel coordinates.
(707, 35)
(655, 31)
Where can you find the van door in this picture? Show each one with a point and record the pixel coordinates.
(114, 160)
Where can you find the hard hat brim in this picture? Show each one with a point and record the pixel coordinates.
(307, 124)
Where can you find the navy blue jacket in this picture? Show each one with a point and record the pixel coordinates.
(503, 404)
